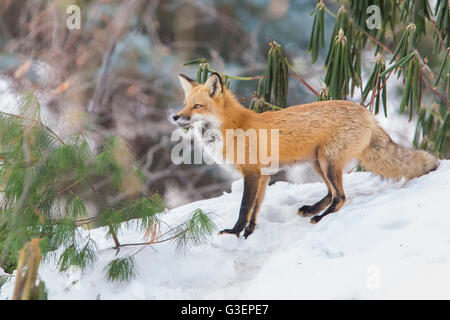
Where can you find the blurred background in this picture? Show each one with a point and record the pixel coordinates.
(117, 74)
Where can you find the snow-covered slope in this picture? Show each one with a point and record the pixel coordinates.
(390, 240)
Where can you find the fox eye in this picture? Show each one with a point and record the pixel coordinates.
(197, 106)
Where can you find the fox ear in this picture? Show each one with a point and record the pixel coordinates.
(186, 83)
(214, 83)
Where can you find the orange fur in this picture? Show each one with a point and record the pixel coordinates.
(329, 134)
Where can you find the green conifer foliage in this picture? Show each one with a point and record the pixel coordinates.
(405, 23)
(41, 179)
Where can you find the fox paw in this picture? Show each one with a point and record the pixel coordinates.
(315, 219)
(306, 211)
(230, 231)
(249, 230)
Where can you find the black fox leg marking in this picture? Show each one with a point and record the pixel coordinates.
(248, 201)
(262, 185)
(335, 178)
(252, 223)
(308, 211)
(335, 206)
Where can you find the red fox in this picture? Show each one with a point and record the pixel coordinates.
(328, 134)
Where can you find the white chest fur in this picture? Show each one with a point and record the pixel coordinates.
(207, 132)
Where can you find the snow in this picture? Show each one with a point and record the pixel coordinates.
(391, 240)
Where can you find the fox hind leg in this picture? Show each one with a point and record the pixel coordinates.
(308, 211)
(334, 175)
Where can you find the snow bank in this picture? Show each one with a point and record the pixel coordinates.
(391, 240)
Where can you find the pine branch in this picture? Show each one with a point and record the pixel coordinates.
(250, 78)
(34, 121)
(387, 49)
(436, 29)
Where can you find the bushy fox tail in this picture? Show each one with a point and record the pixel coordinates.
(386, 158)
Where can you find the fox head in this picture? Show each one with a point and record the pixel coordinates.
(203, 102)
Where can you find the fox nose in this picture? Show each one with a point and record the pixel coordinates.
(176, 117)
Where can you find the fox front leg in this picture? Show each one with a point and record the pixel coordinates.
(247, 204)
(259, 198)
